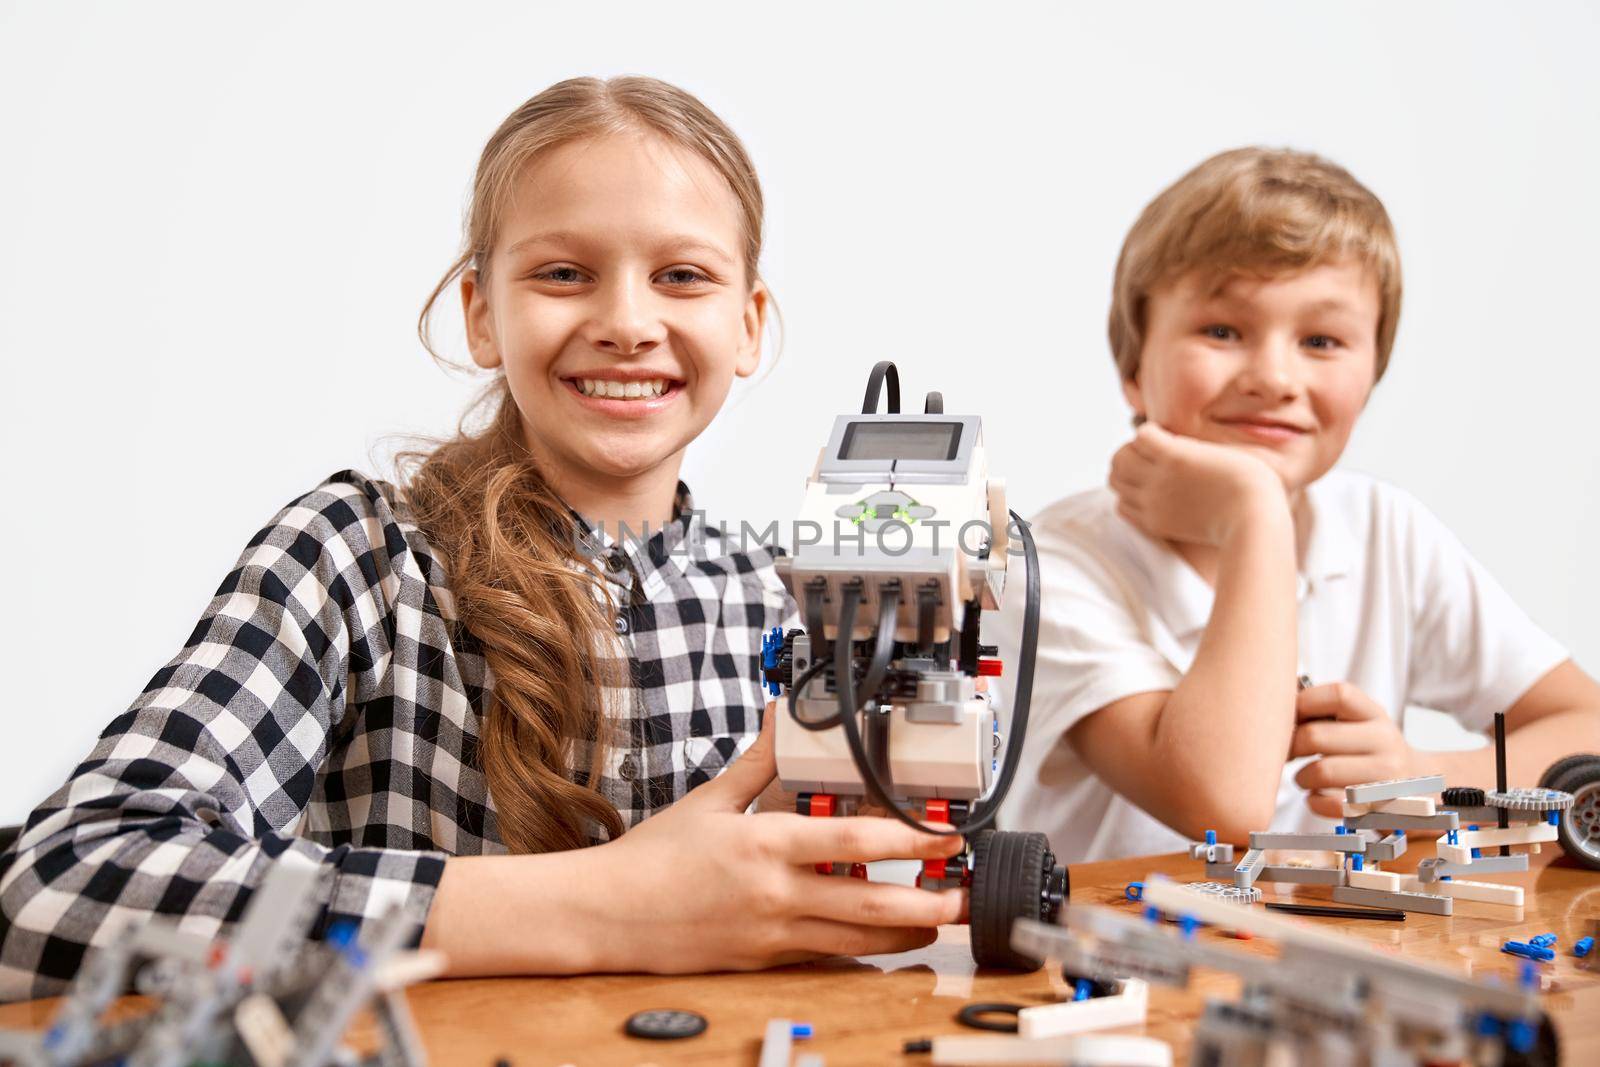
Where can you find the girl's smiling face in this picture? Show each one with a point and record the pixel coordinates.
(619, 304)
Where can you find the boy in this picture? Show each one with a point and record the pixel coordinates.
(1253, 310)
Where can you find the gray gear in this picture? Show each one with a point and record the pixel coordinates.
(1226, 891)
(1524, 799)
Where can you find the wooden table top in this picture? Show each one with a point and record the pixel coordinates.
(862, 1011)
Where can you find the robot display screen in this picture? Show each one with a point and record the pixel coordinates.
(900, 440)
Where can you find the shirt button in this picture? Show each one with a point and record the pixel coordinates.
(621, 623)
(616, 559)
(629, 769)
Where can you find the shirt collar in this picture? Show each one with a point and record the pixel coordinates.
(682, 537)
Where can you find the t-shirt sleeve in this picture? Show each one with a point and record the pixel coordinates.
(191, 795)
(1093, 647)
(1475, 652)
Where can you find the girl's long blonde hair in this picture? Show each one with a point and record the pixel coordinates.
(507, 541)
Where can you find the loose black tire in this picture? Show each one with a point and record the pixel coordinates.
(1579, 828)
(1010, 873)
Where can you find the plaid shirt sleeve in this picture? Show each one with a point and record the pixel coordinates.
(189, 795)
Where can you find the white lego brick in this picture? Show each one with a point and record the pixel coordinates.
(1378, 820)
(1126, 1007)
(1486, 892)
(1457, 855)
(1397, 806)
(1532, 848)
(1394, 788)
(1084, 1050)
(1511, 835)
(1384, 880)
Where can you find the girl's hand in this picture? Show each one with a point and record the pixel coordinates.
(705, 887)
(1355, 737)
(1183, 489)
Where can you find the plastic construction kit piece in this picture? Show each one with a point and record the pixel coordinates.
(1085, 1050)
(1247, 870)
(1523, 799)
(1426, 903)
(1210, 850)
(1125, 1007)
(1309, 842)
(1397, 806)
(1304, 875)
(1394, 789)
(1384, 880)
(1527, 951)
(1326, 912)
(663, 1024)
(1325, 997)
(1431, 870)
(1543, 940)
(1444, 820)
(1483, 892)
(778, 1041)
(1460, 850)
(1582, 947)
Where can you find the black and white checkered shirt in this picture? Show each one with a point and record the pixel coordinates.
(328, 704)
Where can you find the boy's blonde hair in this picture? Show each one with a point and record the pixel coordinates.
(1258, 211)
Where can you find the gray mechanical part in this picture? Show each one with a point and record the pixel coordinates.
(1303, 875)
(1426, 903)
(1523, 799)
(1579, 828)
(1377, 820)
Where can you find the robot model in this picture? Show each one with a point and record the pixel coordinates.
(882, 706)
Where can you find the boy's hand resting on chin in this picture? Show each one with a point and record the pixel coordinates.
(1185, 489)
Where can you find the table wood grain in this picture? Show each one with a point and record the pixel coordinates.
(862, 1011)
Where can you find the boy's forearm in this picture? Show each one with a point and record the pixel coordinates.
(1530, 750)
(1225, 731)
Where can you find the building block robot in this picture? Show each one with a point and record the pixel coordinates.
(882, 704)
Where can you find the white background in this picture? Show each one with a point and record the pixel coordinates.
(217, 226)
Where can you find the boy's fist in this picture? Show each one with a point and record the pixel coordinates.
(1355, 737)
(1185, 489)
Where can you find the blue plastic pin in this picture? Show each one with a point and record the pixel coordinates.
(1134, 891)
(1152, 914)
(1582, 947)
(1519, 1035)
(1188, 924)
(799, 1031)
(1082, 989)
(1527, 951)
(1211, 837)
(1355, 861)
(1553, 818)
(1543, 940)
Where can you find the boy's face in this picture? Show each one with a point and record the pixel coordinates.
(1280, 366)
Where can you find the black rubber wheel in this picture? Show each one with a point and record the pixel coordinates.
(1561, 766)
(1011, 875)
(1546, 1050)
(1579, 828)
(1463, 796)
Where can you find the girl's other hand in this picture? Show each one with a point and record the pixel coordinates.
(704, 887)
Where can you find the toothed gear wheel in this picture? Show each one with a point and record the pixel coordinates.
(1226, 891)
(1523, 799)
(1463, 796)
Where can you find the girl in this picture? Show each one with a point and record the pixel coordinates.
(444, 693)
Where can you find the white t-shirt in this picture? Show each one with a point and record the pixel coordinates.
(1390, 600)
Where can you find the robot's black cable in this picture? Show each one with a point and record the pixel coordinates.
(881, 369)
(985, 811)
